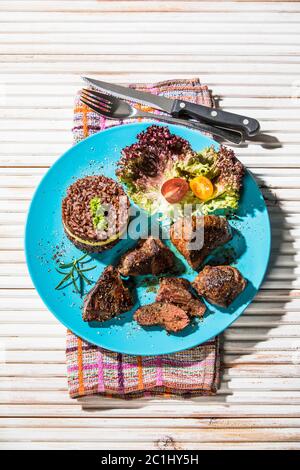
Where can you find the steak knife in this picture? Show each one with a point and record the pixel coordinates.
(181, 108)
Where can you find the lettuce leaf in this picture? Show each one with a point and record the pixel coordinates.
(159, 155)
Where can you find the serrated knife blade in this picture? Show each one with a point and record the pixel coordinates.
(157, 102)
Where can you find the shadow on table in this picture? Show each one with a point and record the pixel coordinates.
(240, 349)
(266, 141)
(239, 343)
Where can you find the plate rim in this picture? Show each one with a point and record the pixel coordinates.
(83, 336)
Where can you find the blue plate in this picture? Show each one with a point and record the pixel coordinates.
(45, 240)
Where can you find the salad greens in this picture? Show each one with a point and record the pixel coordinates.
(225, 172)
(158, 156)
(98, 214)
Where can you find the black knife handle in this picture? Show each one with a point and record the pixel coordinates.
(216, 117)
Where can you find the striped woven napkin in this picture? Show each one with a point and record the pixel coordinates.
(93, 370)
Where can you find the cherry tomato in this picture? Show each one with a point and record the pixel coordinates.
(174, 189)
(202, 187)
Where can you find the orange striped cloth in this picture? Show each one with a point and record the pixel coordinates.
(93, 370)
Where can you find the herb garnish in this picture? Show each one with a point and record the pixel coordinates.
(98, 214)
(75, 274)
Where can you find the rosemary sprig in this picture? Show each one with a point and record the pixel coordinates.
(75, 274)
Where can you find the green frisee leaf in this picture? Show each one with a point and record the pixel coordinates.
(98, 214)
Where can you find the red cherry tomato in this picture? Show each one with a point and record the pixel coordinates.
(174, 189)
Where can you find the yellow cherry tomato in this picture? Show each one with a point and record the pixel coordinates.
(202, 187)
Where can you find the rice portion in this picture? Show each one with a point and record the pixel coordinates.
(76, 208)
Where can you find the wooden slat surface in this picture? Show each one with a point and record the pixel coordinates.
(249, 55)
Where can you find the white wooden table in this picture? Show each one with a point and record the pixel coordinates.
(249, 54)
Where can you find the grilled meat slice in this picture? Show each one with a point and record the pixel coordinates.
(150, 256)
(220, 285)
(174, 318)
(169, 316)
(177, 291)
(108, 298)
(196, 237)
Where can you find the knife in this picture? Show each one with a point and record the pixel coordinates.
(181, 108)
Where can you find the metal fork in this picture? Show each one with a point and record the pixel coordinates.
(115, 108)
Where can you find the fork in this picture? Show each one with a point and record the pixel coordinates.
(115, 108)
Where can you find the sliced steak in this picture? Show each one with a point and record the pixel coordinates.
(177, 291)
(174, 318)
(169, 316)
(211, 231)
(108, 298)
(150, 256)
(220, 285)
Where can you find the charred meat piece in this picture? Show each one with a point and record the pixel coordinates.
(177, 291)
(108, 298)
(169, 316)
(220, 285)
(150, 256)
(196, 237)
